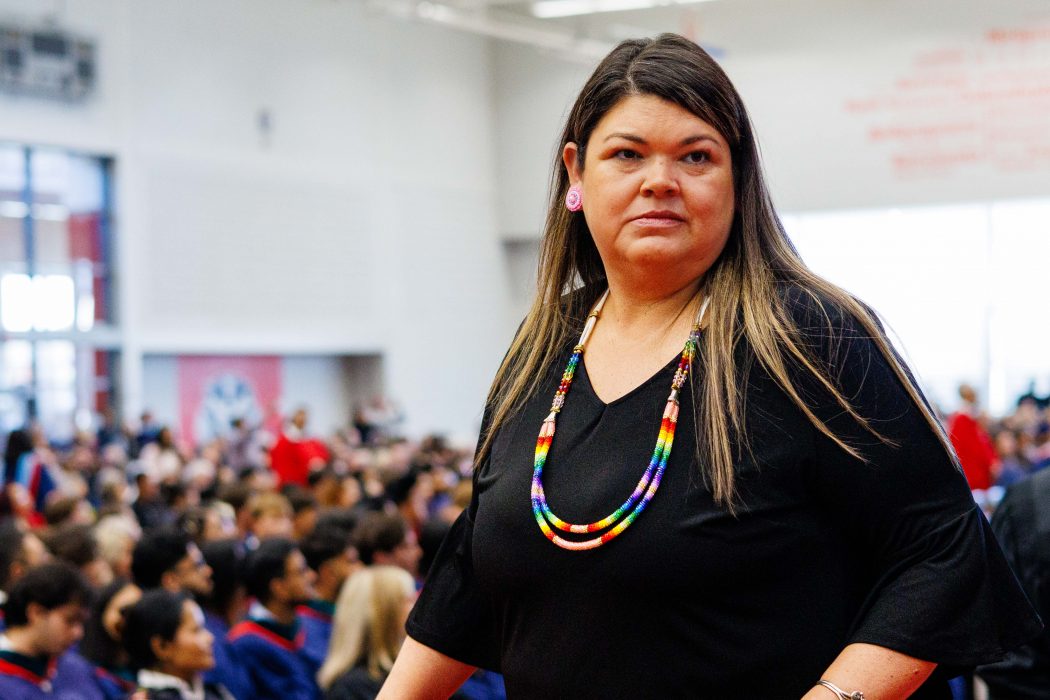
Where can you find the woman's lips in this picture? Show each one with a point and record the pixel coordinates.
(659, 219)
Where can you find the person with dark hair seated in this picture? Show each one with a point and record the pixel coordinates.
(333, 558)
(169, 559)
(340, 518)
(165, 637)
(223, 608)
(19, 551)
(201, 523)
(304, 511)
(101, 645)
(75, 543)
(149, 507)
(270, 641)
(45, 617)
(385, 538)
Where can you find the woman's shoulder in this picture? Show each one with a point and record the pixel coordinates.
(830, 328)
(846, 343)
(814, 310)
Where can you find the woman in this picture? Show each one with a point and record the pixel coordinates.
(101, 645)
(368, 630)
(165, 636)
(809, 535)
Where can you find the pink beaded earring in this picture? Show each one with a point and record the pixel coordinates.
(574, 199)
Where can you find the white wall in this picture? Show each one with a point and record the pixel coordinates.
(533, 94)
(160, 389)
(887, 124)
(364, 221)
(958, 112)
(320, 383)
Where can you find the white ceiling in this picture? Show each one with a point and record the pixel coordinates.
(731, 26)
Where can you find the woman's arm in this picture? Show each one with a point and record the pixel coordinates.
(420, 673)
(878, 672)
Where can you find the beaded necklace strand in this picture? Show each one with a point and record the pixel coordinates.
(621, 518)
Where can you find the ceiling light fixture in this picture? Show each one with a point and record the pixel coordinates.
(549, 9)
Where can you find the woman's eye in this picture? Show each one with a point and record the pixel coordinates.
(697, 157)
(626, 154)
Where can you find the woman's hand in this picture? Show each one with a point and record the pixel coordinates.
(420, 673)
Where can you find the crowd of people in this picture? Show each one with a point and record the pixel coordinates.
(255, 566)
(997, 452)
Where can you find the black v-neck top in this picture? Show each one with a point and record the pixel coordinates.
(693, 602)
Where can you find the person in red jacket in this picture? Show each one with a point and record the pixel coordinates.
(972, 443)
(295, 454)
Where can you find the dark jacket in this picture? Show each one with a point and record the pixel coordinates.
(1022, 525)
(211, 692)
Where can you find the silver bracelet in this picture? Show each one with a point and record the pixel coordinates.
(843, 695)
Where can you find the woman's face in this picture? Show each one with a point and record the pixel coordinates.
(657, 187)
(190, 652)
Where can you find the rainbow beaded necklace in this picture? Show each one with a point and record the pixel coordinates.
(621, 518)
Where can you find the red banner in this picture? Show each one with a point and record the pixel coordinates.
(214, 390)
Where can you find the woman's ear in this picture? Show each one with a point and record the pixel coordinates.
(570, 157)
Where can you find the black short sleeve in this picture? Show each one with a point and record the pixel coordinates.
(941, 589)
(452, 615)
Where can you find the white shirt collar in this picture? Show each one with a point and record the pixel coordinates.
(156, 680)
(258, 612)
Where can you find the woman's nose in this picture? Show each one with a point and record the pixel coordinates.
(660, 179)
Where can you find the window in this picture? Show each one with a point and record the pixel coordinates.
(959, 287)
(55, 288)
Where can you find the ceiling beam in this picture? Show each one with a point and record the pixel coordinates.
(487, 23)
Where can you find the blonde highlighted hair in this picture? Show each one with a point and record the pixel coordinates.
(369, 624)
(746, 285)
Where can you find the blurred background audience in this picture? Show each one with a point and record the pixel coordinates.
(225, 569)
